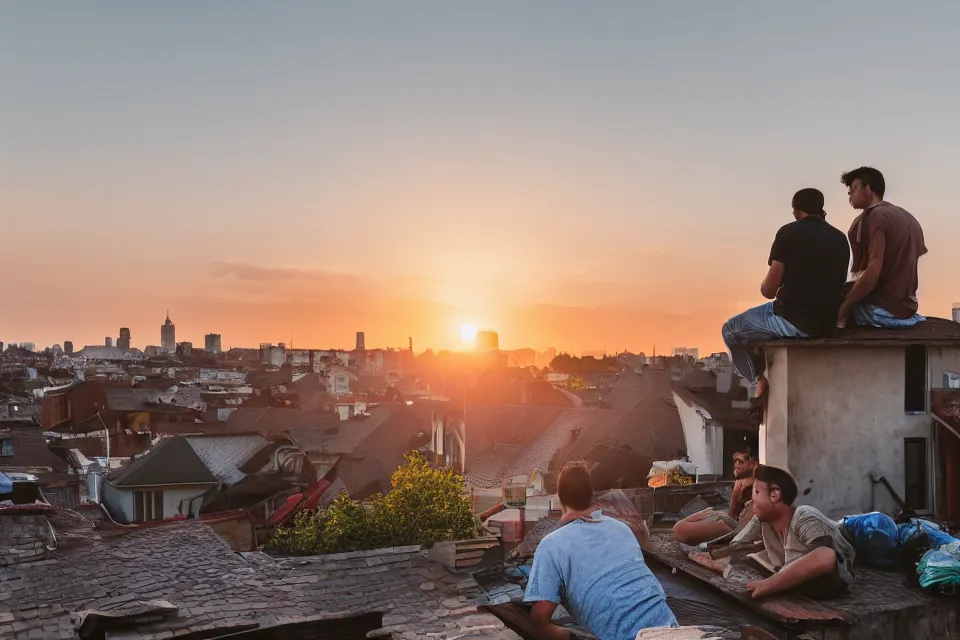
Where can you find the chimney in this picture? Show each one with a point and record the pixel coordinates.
(725, 378)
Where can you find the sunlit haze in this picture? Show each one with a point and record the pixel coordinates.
(569, 174)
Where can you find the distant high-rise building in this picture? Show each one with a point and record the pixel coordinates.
(956, 312)
(123, 342)
(361, 341)
(211, 343)
(108, 341)
(185, 348)
(168, 335)
(487, 341)
(691, 352)
(28, 346)
(67, 347)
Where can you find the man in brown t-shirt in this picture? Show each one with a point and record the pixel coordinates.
(887, 243)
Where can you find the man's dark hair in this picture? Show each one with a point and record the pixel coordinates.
(809, 201)
(867, 176)
(574, 487)
(775, 476)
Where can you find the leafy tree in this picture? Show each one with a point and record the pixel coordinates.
(424, 506)
(576, 384)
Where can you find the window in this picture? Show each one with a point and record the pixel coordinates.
(6, 448)
(147, 506)
(915, 472)
(915, 379)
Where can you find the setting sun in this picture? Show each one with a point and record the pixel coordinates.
(468, 332)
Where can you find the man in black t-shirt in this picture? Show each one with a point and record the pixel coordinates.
(808, 269)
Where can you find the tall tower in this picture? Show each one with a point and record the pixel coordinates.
(361, 341)
(956, 312)
(108, 341)
(168, 335)
(212, 344)
(123, 342)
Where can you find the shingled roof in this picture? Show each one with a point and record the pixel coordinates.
(269, 420)
(171, 461)
(212, 590)
(223, 455)
(651, 429)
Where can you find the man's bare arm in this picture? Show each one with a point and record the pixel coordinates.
(869, 278)
(818, 562)
(540, 616)
(771, 284)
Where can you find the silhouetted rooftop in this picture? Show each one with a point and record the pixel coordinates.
(934, 331)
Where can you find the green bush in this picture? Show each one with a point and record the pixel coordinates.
(424, 506)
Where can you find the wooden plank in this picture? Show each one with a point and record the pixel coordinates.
(475, 546)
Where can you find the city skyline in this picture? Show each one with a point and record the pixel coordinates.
(570, 176)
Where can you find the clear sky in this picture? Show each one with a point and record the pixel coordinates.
(572, 174)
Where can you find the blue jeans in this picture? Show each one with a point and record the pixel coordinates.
(865, 314)
(751, 326)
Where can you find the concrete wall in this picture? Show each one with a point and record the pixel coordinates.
(942, 360)
(835, 414)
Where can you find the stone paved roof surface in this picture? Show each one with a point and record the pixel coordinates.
(189, 566)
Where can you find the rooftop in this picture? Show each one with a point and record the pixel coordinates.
(213, 590)
(171, 461)
(881, 603)
(933, 331)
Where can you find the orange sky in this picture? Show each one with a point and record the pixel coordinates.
(570, 176)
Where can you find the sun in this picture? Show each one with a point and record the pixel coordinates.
(468, 332)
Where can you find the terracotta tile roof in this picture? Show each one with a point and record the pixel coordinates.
(934, 331)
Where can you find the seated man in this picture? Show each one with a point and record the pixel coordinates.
(803, 549)
(594, 566)
(887, 244)
(711, 524)
(808, 269)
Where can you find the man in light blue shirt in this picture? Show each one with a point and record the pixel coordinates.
(593, 565)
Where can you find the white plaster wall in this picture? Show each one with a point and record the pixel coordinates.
(172, 498)
(119, 503)
(841, 410)
(695, 437)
